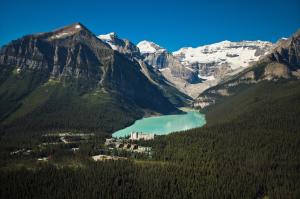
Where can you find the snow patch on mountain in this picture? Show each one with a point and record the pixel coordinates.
(77, 26)
(220, 60)
(109, 39)
(61, 35)
(233, 54)
(149, 47)
(66, 31)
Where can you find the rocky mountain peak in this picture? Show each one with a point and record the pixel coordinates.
(76, 25)
(68, 31)
(70, 51)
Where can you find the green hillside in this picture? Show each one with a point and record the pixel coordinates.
(56, 106)
(277, 99)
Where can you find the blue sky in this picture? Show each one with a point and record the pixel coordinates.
(171, 24)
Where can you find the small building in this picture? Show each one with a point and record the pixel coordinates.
(106, 157)
(101, 157)
(43, 159)
(142, 149)
(141, 136)
(74, 149)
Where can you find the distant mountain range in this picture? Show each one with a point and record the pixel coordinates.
(192, 70)
(71, 79)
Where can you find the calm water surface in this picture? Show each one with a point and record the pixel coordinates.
(161, 125)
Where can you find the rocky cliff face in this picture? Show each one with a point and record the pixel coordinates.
(287, 51)
(159, 58)
(165, 61)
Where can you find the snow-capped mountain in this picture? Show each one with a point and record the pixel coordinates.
(154, 55)
(193, 70)
(204, 66)
(124, 46)
(149, 47)
(219, 59)
(282, 62)
(109, 39)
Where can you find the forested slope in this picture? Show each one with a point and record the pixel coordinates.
(251, 154)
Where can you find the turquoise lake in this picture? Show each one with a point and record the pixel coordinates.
(162, 125)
